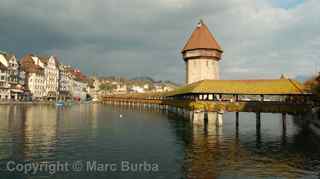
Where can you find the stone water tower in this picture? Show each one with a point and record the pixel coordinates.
(201, 54)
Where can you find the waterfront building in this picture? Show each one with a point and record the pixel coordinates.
(79, 85)
(137, 89)
(65, 82)
(51, 73)
(9, 76)
(94, 88)
(21, 75)
(146, 87)
(201, 54)
(4, 88)
(79, 89)
(35, 80)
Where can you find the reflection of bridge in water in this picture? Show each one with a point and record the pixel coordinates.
(211, 151)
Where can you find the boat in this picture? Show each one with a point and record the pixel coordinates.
(87, 102)
(60, 104)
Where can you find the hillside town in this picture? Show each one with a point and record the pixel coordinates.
(45, 78)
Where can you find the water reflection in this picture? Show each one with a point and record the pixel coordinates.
(214, 152)
(238, 149)
(33, 133)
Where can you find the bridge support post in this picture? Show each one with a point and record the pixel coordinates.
(258, 121)
(237, 120)
(284, 121)
(258, 129)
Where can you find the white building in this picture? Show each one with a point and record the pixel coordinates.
(121, 88)
(9, 77)
(137, 89)
(4, 86)
(94, 88)
(35, 80)
(78, 90)
(79, 85)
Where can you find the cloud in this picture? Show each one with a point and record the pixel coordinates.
(141, 37)
(287, 4)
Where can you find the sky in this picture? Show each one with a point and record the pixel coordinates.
(130, 38)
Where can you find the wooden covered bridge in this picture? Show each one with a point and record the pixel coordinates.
(274, 96)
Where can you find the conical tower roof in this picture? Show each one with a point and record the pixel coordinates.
(201, 38)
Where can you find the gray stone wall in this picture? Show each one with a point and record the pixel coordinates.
(202, 69)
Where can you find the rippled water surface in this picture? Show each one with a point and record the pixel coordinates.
(111, 135)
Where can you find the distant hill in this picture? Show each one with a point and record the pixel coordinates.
(143, 78)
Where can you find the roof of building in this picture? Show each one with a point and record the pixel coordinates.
(6, 55)
(201, 38)
(45, 59)
(9, 56)
(77, 75)
(253, 87)
(27, 65)
(3, 67)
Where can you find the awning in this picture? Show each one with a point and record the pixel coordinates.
(16, 91)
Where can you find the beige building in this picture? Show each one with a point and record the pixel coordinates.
(42, 75)
(34, 75)
(201, 55)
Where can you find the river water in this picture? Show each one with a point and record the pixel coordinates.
(145, 143)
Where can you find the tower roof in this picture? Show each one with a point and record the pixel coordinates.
(201, 38)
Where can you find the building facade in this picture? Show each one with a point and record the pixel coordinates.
(35, 80)
(9, 77)
(51, 73)
(65, 81)
(4, 87)
(79, 85)
(201, 55)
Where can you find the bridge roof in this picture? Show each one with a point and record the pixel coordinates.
(253, 87)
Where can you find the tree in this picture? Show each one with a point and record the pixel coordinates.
(106, 87)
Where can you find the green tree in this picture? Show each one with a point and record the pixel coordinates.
(106, 87)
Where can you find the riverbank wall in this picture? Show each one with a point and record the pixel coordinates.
(27, 102)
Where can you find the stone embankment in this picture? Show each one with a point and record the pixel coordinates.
(26, 102)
